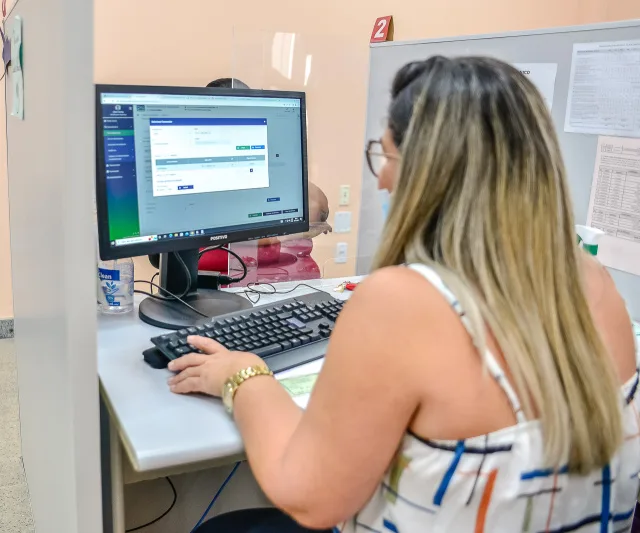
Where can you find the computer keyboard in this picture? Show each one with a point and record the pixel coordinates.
(286, 334)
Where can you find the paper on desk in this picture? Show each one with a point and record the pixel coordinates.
(300, 385)
(614, 206)
(543, 76)
(604, 89)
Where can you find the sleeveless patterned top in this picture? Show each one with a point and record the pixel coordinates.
(497, 482)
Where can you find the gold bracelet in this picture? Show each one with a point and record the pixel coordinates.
(232, 384)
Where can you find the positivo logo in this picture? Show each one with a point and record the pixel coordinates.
(218, 237)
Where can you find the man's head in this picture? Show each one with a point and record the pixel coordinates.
(227, 83)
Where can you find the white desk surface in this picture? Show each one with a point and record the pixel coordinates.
(159, 429)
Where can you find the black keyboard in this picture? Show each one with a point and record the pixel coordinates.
(286, 334)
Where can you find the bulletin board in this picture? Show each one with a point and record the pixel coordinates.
(550, 47)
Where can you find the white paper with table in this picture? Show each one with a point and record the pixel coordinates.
(604, 90)
(614, 206)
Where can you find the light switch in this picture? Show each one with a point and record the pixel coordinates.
(342, 222)
(345, 195)
(341, 253)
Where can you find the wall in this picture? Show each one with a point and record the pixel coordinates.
(6, 298)
(51, 163)
(192, 43)
(201, 40)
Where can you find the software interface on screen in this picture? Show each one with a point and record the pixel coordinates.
(183, 165)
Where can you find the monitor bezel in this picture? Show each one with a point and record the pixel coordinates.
(108, 252)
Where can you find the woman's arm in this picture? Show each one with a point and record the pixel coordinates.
(321, 466)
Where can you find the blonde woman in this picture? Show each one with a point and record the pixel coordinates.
(488, 385)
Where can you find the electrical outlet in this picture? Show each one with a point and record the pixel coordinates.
(341, 253)
(345, 195)
(342, 222)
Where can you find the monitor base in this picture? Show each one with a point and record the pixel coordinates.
(174, 315)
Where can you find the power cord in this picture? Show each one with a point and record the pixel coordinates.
(153, 278)
(163, 298)
(173, 504)
(215, 498)
(171, 296)
(227, 280)
(251, 289)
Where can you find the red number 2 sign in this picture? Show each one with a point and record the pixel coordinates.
(382, 30)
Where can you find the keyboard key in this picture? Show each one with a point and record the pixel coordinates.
(286, 345)
(249, 347)
(295, 343)
(192, 331)
(200, 329)
(227, 331)
(173, 345)
(183, 350)
(304, 318)
(182, 333)
(285, 316)
(304, 339)
(268, 350)
(315, 337)
(235, 329)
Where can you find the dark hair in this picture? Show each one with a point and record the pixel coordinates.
(406, 88)
(227, 83)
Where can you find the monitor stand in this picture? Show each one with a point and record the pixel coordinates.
(172, 314)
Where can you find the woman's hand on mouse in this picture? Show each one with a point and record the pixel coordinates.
(207, 372)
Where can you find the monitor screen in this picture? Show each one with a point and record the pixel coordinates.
(186, 168)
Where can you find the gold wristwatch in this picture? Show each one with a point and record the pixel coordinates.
(230, 386)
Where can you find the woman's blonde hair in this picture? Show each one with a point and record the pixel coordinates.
(482, 197)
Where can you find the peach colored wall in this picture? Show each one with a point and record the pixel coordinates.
(190, 42)
(194, 41)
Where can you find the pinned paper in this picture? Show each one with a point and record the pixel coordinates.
(604, 89)
(614, 205)
(543, 76)
(17, 80)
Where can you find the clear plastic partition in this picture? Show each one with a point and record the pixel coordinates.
(331, 71)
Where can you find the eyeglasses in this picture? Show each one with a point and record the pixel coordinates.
(376, 157)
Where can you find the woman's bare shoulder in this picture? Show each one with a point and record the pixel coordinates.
(611, 317)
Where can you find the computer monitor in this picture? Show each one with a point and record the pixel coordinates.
(180, 169)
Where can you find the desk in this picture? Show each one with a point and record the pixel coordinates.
(162, 433)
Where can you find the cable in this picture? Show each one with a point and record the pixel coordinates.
(173, 504)
(163, 298)
(215, 498)
(187, 272)
(251, 288)
(153, 278)
(227, 280)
